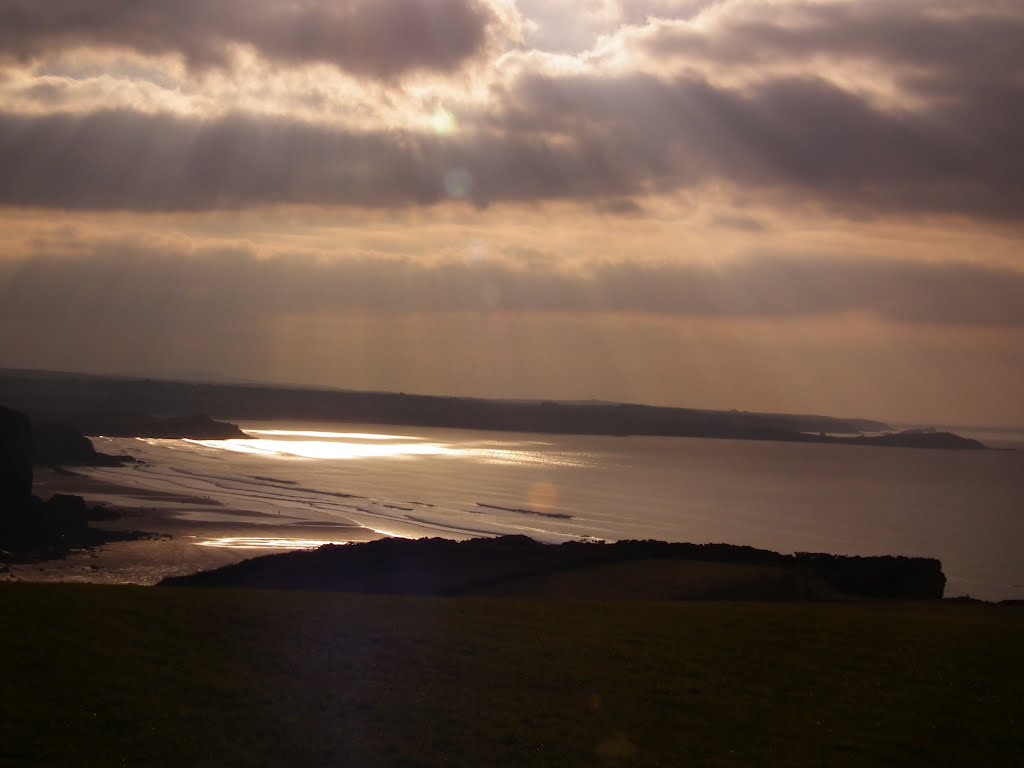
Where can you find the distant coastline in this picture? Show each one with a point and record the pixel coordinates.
(112, 406)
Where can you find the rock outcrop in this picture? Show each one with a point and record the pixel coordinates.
(30, 528)
(197, 427)
(60, 445)
(15, 461)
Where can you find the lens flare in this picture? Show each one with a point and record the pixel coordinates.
(458, 183)
(543, 497)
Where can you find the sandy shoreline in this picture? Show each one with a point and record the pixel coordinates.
(189, 533)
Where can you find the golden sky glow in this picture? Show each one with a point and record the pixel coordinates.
(798, 206)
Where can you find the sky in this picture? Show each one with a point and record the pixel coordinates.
(770, 205)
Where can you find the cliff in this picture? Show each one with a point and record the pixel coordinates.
(15, 461)
(30, 528)
(60, 445)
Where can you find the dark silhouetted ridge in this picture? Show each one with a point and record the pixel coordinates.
(126, 407)
(446, 567)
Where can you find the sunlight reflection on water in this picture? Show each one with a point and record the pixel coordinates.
(962, 508)
(362, 445)
(330, 435)
(327, 449)
(259, 542)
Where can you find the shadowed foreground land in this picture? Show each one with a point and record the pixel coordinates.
(122, 675)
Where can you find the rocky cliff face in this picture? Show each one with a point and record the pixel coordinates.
(15, 462)
(32, 529)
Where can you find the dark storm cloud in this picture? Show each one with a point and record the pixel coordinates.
(577, 137)
(130, 283)
(129, 160)
(379, 38)
(798, 136)
(953, 42)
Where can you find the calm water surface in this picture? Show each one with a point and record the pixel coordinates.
(965, 508)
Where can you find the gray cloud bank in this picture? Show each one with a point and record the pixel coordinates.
(950, 142)
(376, 38)
(553, 138)
(132, 284)
(922, 42)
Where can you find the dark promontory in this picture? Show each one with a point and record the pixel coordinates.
(508, 565)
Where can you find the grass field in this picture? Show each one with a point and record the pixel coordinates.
(146, 676)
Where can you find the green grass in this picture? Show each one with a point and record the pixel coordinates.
(135, 676)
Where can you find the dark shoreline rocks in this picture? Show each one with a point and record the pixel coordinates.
(446, 567)
(52, 529)
(32, 529)
(15, 459)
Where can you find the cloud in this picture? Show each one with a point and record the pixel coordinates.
(858, 108)
(581, 138)
(738, 223)
(952, 40)
(373, 38)
(568, 25)
(129, 160)
(802, 136)
(139, 282)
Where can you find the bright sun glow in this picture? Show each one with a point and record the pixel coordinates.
(443, 121)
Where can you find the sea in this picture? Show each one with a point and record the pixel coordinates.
(965, 508)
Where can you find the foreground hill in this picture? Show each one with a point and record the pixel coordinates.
(519, 566)
(174, 677)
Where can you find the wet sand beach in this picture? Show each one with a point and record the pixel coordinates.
(185, 534)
